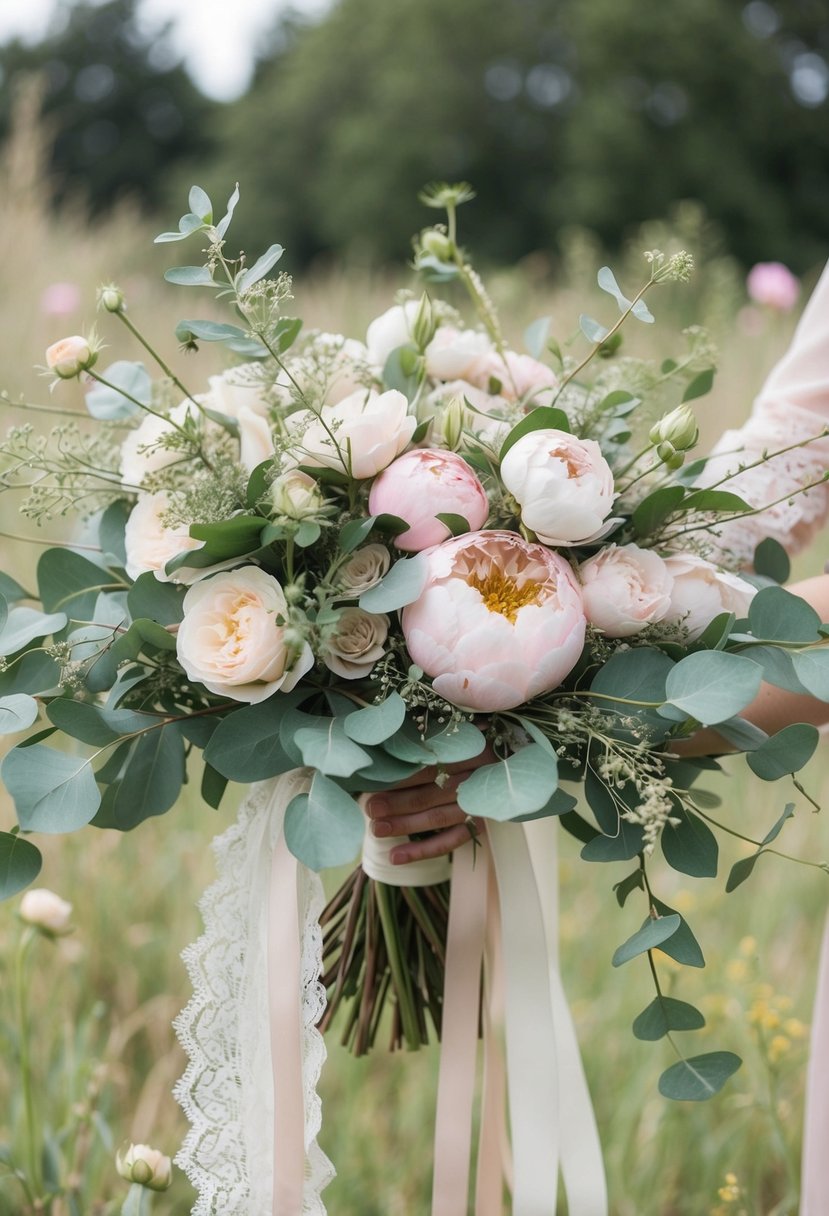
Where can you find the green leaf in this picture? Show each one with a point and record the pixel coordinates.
(713, 685)
(308, 533)
(665, 1014)
(715, 500)
(324, 745)
(108, 404)
(683, 947)
(577, 827)
(152, 600)
(208, 331)
(68, 582)
(619, 402)
(232, 537)
(245, 746)
(698, 1078)
(53, 792)
(25, 624)
(17, 712)
(778, 667)
(356, 531)
(592, 330)
(200, 204)
(640, 675)
(153, 778)
(742, 734)
(700, 385)
(627, 843)
(652, 511)
(811, 668)
(404, 371)
(634, 882)
(717, 632)
(224, 222)
(94, 724)
(34, 673)
(402, 585)
(111, 531)
(20, 864)
(191, 276)
(259, 268)
(690, 847)
(376, 723)
(542, 418)
(453, 744)
(536, 336)
(653, 933)
(785, 752)
(11, 590)
(213, 786)
(775, 615)
(285, 334)
(741, 870)
(519, 785)
(325, 826)
(772, 560)
(560, 804)
(607, 281)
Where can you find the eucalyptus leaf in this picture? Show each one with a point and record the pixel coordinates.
(246, 744)
(607, 281)
(224, 222)
(325, 826)
(20, 864)
(191, 276)
(811, 668)
(775, 615)
(665, 1014)
(153, 778)
(11, 590)
(95, 724)
(519, 785)
(200, 204)
(324, 745)
(259, 268)
(683, 947)
(53, 792)
(634, 882)
(771, 559)
(111, 531)
(689, 846)
(401, 586)
(150, 599)
(592, 330)
(713, 685)
(536, 336)
(699, 1077)
(17, 712)
(720, 501)
(375, 723)
(35, 672)
(785, 752)
(68, 582)
(653, 933)
(108, 404)
(23, 625)
(742, 734)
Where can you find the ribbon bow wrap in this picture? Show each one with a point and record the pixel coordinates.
(255, 1055)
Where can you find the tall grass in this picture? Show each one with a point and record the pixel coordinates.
(103, 999)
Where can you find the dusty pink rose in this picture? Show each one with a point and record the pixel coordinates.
(423, 484)
(563, 485)
(700, 592)
(498, 621)
(773, 284)
(522, 377)
(625, 588)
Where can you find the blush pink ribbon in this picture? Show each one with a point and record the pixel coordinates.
(814, 1198)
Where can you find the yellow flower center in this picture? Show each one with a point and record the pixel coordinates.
(503, 594)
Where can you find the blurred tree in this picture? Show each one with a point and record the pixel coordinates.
(558, 111)
(119, 110)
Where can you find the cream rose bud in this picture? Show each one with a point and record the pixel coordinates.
(70, 356)
(459, 354)
(700, 592)
(146, 1166)
(359, 435)
(362, 570)
(391, 329)
(149, 543)
(425, 483)
(563, 485)
(356, 643)
(296, 495)
(625, 588)
(44, 910)
(233, 636)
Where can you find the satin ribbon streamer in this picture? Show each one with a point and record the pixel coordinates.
(815, 1181)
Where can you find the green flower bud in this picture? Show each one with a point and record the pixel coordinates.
(423, 329)
(679, 428)
(452, 423)
(145, 1166)
(436, 243)
(111, 298)
(669, 456)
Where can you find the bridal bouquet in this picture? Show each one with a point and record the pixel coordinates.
(366, 559)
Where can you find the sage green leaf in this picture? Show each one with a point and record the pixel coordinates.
(224, 222)
(152, 600)
(69, 582)
(95, 724)
(259, 268)
(11, 590)
(453, 744)
(778, 667)
(785, 752)
(111, 531)
(811, 667)
(634, 882)
(36, 672)
(20, 863)
(772, 560)
(542, 418)
(200, 204)
(152, 780)
(356, 531)
(53, 792)
(717, 632)
(683, 947)
(698, 1078)
(232, 537)
(690, 847)
(246, 746)
(404, 371)
(700, 386)
(778, 616)
(213, 786)
(742, 869)
(208, 331)
(592, 329)
(665, 1014)
(561, 803)
(376, 723)
(325, 826)
(23, 625)
(627, 843)
(324, 745)
(402, 585)
(713, 685)
(191, 276)
(654, 932)
(715, 500)
(536, 336)
(652, 511)
(17, 712)
(632, 684)
(108, 404)
(519, 785)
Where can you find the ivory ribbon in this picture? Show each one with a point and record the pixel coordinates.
(494, 1155)
(459, 1031)
(284, 987)
(815, 1180)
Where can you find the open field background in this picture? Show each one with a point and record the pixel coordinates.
(103, 998)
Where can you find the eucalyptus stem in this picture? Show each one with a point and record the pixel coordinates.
(597, 347)
(148, 409)
(23, 1029)
(168, 372)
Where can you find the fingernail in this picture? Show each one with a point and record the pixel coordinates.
(381, 827)
(378, 806)
(398, 857)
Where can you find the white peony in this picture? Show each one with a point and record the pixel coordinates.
(700, 592)
(391, 329)
(359, 435)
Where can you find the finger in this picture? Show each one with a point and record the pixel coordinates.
(435, 819)
(391, 804)
(434, 846)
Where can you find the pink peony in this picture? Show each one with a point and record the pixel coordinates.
(423, 484)
(499, 621)
(773, 284)
(700, 592)
(625, 588)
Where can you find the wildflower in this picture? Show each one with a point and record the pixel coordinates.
(46, 912)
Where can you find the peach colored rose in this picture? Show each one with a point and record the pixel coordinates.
(70, 356)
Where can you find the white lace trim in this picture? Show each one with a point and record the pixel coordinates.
(226, 1091)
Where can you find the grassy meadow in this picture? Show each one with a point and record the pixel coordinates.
(103, 998)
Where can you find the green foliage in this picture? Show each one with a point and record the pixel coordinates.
(325, 826)
(519, 785)
(712, 686)
(699, 1077)
(20, 863)
(52, 792)
(653, 933)
(664, 1014)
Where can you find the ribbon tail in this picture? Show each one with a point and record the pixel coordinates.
(494, 1157)
(815, 1176)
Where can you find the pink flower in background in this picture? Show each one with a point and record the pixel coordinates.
(773, 284)
(624, 589)
(499, 621)
(423, 484)
(60, 299)
(521, 376)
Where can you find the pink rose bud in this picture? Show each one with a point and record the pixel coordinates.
(624, 589)
(499, 621)
(70, 356)
(773, 284)
(423, 484)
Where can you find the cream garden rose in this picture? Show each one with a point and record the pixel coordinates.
(70, 356)
(625, 588)
(359, 435)
(149, 543)
(362, 570)
(700, 592)
(356, 643)
(143, 451)
(44, 910)
(296, 495)
(563, 485)
(235, 638)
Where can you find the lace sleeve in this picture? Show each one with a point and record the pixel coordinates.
(226, 1091)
